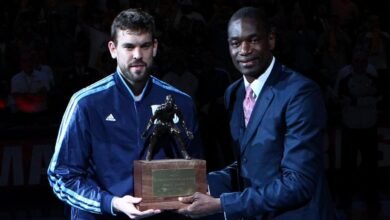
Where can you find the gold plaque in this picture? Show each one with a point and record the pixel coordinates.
(173, 182)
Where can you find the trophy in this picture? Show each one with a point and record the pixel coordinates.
(160, 182)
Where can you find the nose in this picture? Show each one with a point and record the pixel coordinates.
(245, 48)
(137, 53)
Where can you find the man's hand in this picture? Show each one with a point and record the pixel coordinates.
(200, 205)
(126, 204)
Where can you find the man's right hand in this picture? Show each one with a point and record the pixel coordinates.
(126, 204)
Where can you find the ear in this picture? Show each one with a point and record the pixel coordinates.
(155, 45)
(112, 48)
(271, 40)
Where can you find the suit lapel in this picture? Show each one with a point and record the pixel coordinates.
(262, 103)
(261, 106)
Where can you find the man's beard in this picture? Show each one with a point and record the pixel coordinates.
(132, 76)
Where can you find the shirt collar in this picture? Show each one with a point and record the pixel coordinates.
(257, 84)
(136, 98)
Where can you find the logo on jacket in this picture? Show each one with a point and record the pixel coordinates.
(110, 117)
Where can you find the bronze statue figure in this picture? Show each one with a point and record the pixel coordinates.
(162, 120)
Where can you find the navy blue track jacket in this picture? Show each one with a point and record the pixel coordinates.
(100, 137)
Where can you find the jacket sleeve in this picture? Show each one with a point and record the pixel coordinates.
(301, 162)
(223, 181)
(69, 171)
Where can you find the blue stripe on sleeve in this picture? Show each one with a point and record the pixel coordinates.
(69, 196)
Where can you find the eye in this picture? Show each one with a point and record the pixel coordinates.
(254, 40)
(129, 46)
(234, 43)
(146, 46)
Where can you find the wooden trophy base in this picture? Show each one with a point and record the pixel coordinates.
(160, 182)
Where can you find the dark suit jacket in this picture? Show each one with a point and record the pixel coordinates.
(279, 155)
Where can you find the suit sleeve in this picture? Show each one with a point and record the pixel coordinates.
(223, 181)
(301, 163)
(68, 172)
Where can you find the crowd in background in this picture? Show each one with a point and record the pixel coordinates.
(49, 49)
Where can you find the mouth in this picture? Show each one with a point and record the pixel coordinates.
(137, 66)
(247, 62)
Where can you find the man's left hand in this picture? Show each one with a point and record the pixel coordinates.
(200, 205)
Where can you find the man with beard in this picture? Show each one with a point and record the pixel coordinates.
(100, 134)
(278, 172)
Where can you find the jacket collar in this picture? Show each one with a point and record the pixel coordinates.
(125, 88)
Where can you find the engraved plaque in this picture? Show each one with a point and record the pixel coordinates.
(160, 182)
(184, 182)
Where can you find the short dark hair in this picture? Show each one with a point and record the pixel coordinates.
(135, 20)
(252, 13)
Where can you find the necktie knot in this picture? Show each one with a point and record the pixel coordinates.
(248, 104)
